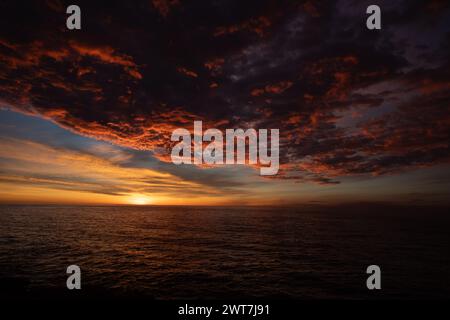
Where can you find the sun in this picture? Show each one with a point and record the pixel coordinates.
(139, 200)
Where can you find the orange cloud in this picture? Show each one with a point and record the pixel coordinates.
(257, 25)
(277, 88)
(187, 72)
(39, 166)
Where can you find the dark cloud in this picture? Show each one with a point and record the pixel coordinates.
(347, 101)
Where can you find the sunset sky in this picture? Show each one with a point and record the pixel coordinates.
(86, 115)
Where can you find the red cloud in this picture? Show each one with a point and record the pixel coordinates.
(304, 77)
(187, 72)
(257, 25)
(277, 88)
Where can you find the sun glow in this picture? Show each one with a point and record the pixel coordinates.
(140, 200)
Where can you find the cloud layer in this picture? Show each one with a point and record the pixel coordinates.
(348, 101)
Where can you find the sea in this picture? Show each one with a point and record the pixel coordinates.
(172, 252)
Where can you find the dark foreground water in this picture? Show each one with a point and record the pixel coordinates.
(191, 252)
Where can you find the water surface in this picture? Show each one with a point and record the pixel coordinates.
(202, 252)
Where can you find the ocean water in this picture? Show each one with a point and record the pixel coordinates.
(312, 252)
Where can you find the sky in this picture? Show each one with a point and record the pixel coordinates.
(86, 115)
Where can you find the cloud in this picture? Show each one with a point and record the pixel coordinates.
(347, 101)
(104, 171)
